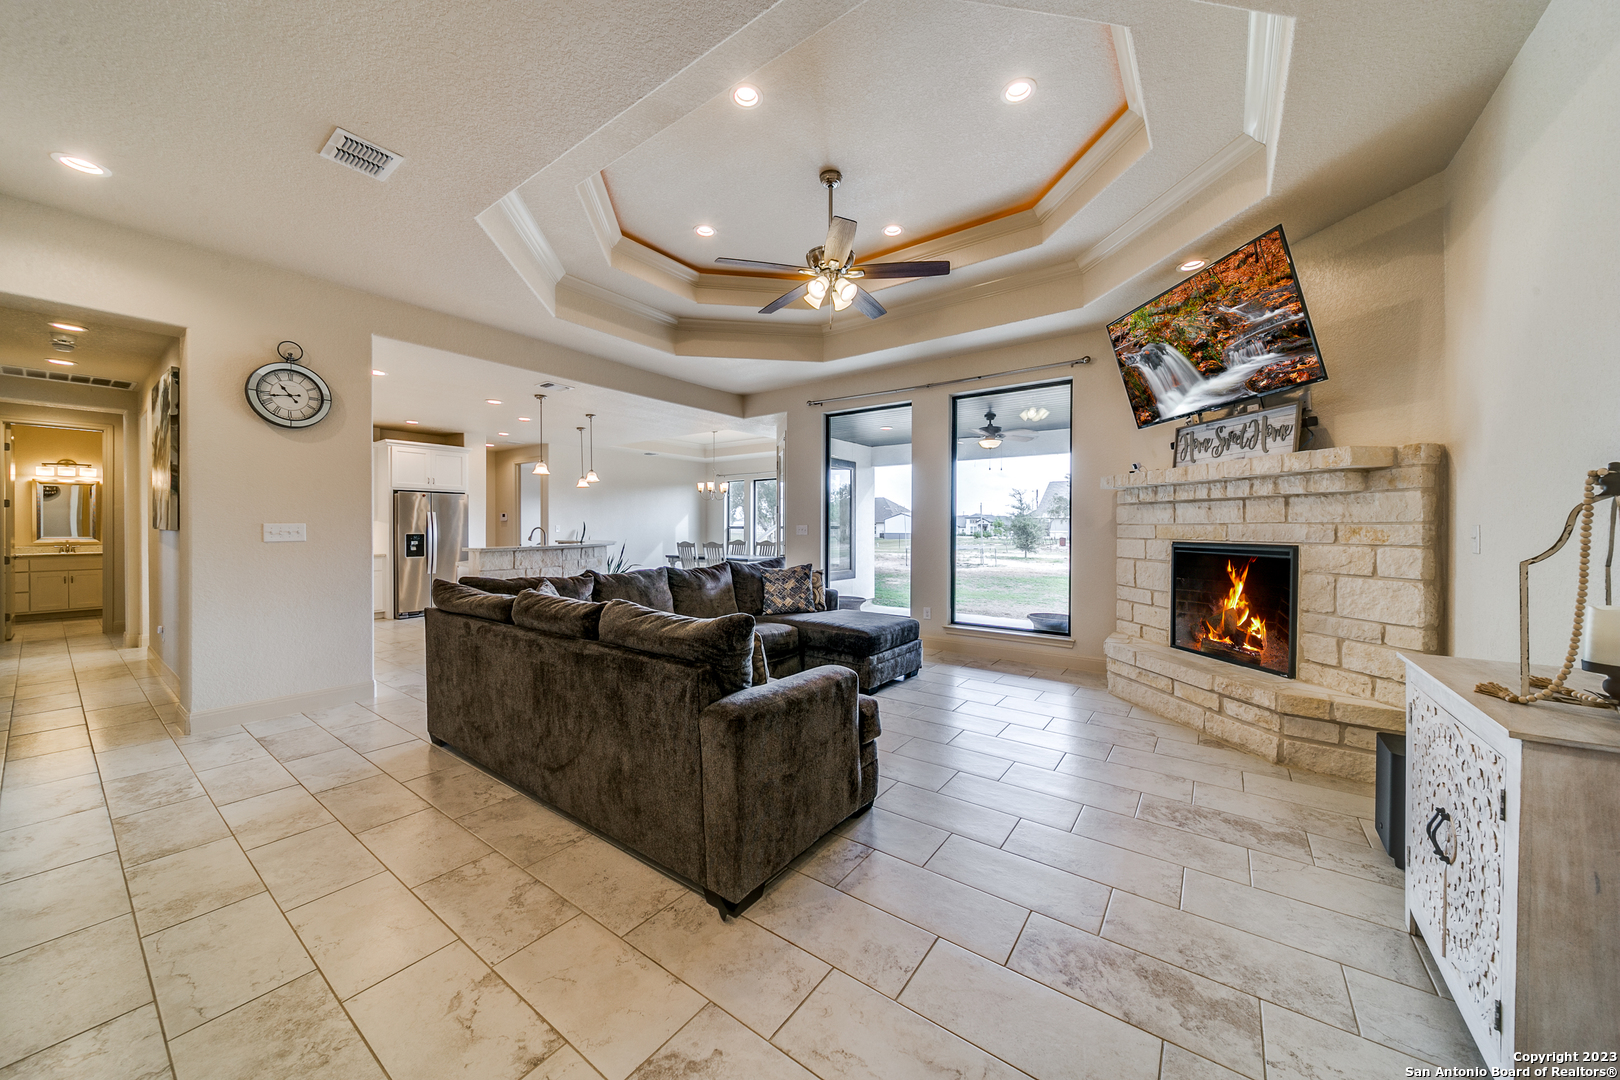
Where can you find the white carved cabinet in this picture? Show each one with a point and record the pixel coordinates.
(1513, 858)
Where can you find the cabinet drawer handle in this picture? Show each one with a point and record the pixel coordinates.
(1437, 819)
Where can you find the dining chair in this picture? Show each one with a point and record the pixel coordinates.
(737, 547)
(688, 553)
(713, 552)
(765, 548)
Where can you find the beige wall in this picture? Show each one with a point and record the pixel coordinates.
(1532, 316)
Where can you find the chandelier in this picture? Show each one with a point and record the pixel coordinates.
(713, 488)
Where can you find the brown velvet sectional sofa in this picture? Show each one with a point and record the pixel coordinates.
(878, 648)
(653, 729)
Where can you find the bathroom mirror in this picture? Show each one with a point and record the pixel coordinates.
(66, 511)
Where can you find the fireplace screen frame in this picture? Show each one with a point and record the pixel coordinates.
(1179, 548)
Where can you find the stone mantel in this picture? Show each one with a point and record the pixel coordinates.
(538, 560)
(1366, 520)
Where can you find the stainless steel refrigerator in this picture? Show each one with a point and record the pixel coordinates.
(430, 538)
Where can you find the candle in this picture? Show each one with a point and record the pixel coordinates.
(1600, 643)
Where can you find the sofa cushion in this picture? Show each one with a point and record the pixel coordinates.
(704, 592)
(851, 633)
(577, 587)
(762, 666)
(466, 600)
(781, 640)
(649, 588)
(788, 591)
(725, 645)
(748, 585)
(560, 616)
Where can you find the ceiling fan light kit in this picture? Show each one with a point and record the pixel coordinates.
(831, 270)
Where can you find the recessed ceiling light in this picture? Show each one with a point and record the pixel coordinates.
(1018, 90)
(69, 327)
(1190, 265)
(79, 164)
(886, 429)
(891, 230)
(523, 419)
(746, 96)
(410, 421)
(488, 444)
(503, 434)
(374, 371)
(54, 360)
(492, 401)
(704, 230)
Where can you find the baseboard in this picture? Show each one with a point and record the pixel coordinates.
(1050, 653)
(214, 719)
(165, 672)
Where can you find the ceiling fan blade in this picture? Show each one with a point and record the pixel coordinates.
(840, 238)
(906, 269)
(1020, 433)
(754, 264)
(867, 304)
(1018, 438)
(785, 299)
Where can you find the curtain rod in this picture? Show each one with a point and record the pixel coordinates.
(952, 382)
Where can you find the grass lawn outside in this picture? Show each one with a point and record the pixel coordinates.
(994, 578)
(891, 574)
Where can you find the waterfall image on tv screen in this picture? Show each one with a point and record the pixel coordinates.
(1236, 329)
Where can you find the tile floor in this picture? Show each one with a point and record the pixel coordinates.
(1053, 884)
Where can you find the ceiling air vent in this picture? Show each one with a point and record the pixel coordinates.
(361, 156)
(58, 376)
(554, 387)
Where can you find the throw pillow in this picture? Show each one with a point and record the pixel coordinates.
(466, 600)
(725, 645)
(559, 616)
(762, 668)
(577, 587)
(788, 591)
(748, 585)
(649, 588)
(703, 593)
(546, 588)
(818, 590)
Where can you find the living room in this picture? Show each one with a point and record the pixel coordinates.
(1446, 182)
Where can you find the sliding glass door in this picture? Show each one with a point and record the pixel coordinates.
(1010, 508)
(869, 507)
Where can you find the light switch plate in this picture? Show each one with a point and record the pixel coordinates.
(284, 533)
(801, 530)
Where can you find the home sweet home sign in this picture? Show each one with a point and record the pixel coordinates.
(1253, 434)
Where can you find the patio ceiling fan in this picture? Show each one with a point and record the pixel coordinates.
(990, 436)
(830, 271)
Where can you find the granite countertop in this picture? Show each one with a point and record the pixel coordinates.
(29, 553)
(547, 547)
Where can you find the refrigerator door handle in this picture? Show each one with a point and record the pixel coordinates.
(433, 543)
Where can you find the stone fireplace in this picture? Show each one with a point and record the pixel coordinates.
(1362, 524)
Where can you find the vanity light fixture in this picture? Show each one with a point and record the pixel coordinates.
(591, 477)
(746, 96)
(1190, 265)
(540, 467)
(54, 360)
(79, 164)
(1018, 91)
(704, 230)
(67, 468)
(69, 327)
(583, 483)
(892, 230)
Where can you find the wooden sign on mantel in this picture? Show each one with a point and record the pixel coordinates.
(1251, 434)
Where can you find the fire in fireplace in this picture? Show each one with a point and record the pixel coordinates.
(1236, 602)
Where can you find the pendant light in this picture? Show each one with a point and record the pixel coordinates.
(540, 468)
(583, 483)
(591, 477)
(712, 490)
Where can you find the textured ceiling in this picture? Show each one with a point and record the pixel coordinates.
(211, 117)
(106, 350)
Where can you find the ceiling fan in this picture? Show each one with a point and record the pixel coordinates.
(830, 270)
(990, 436)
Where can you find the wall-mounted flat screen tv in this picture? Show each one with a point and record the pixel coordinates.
(1236, 329)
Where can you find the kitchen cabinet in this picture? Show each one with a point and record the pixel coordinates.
(418, 467)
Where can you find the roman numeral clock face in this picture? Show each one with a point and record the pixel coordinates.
(289, 395)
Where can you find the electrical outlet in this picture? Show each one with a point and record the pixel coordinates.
(285, 533)
(801, 530)
(160, 631)
(928, 613)
(1476, 539)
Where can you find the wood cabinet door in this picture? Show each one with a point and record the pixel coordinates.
(48, 591)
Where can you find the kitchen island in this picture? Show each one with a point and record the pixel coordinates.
(537, 560)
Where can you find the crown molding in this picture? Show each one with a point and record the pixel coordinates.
(1271, 43)
(513, 229)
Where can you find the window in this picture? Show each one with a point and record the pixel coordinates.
(765, 523)
(1010, 508)
(869, 507)
(736, 513)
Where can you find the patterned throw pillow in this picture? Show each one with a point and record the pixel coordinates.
(788, 591)
(818, 590)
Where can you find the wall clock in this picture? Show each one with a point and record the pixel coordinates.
(287, 393)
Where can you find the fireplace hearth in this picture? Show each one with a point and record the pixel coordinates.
(1237, 603)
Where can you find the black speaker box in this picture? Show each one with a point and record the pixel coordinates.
(1389, 811)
